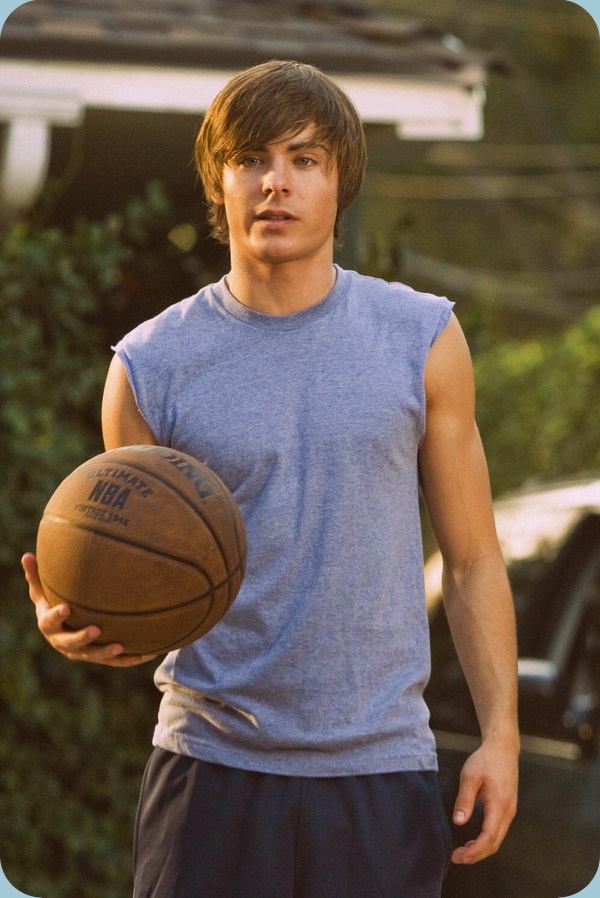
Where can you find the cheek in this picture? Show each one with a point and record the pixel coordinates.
(234, 188)
(328, 207)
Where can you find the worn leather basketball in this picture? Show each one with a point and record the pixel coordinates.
(145, 542)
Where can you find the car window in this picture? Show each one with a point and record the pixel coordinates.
(532, 532)
(547, 548)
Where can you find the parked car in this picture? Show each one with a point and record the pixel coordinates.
(550, 537)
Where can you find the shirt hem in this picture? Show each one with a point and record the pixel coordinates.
(296, 762)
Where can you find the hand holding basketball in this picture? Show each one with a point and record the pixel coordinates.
(77, 645)
(141, 550)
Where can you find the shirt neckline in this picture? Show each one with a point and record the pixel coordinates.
(296, 320)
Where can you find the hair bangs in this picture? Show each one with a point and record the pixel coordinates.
(271, 102)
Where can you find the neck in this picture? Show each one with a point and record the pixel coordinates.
(281, 289)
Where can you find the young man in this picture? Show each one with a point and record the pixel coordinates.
(293, 756)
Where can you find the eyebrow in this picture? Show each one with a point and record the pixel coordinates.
(308, 144)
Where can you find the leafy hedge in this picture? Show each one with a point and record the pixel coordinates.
(74, 738)
(537, 406)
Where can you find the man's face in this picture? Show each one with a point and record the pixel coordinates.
(281, 201)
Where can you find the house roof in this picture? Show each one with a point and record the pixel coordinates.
(335, 35)
(60, 59)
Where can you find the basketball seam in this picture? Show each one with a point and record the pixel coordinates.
(138, 466)
(142, 613)
(119, 538)
(210, 593)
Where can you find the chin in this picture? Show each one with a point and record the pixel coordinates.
(279, 255)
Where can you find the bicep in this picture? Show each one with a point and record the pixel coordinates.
(122, 421)
(453, 468)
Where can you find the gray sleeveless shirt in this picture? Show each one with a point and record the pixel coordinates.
(314, 421)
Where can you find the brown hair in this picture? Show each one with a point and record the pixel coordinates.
(270, 102)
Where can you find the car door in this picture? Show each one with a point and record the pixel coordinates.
(553, 847)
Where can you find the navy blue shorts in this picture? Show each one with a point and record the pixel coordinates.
(206, 831)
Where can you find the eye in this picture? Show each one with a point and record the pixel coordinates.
(305, 161)
(249, 161)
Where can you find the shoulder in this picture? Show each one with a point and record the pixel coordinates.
(449, 370)
(178, 322)
(169, 324)
(392, 291)
(396, 301)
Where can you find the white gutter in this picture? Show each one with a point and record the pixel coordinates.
(27, 115)
(35, 95)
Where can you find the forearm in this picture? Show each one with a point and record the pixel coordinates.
(480, 612)
(477, 597)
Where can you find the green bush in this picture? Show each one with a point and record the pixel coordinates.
(74, 738)
(536, 406)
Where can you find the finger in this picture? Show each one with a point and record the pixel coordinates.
(30, 567)
(82, 645)
(473, 851)
(465, 800)
(51, 618)
(486, 844)
(77, 645)
(476, 849)
(495, 826)
(128, 660)
(112, 655)
(72, 642)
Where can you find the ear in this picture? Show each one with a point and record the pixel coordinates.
(217, 199)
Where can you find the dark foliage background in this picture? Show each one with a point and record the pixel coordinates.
(74, 738)
(524, 272)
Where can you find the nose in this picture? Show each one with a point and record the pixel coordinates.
(275, 181)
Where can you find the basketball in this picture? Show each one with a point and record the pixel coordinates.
(145, 542)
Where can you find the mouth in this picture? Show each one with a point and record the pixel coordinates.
(274, 215)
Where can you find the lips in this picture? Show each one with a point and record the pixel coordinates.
(275, 215)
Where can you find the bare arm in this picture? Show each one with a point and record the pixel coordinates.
(477, 595)
(122, 421)
(122, 425)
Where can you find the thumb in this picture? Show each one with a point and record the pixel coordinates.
(465, 800)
